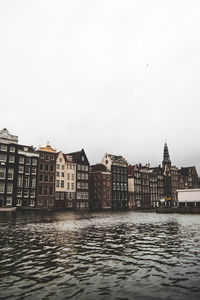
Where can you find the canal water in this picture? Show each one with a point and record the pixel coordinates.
(113, 255)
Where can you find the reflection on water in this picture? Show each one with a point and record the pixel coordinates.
(56, 255)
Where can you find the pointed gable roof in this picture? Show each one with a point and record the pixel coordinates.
(77, 156)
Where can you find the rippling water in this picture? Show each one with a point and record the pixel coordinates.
(99, 256)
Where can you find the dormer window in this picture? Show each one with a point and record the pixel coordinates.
(69, 158)
(82, 158)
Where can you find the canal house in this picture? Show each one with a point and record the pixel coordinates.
(118, 167)
(65, 181)
(100, 187)
(46, 177)
(82, 179)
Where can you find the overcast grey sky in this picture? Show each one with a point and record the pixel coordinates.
(107, 76)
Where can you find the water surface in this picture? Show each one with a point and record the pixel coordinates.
(65, 255)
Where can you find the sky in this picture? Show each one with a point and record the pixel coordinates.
(116, 77)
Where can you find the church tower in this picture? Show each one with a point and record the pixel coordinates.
(166, 158)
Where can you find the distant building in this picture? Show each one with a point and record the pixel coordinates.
(118, 167)
(139, 181)
(46, 177)
(82, 179)
(189, 198)
(100, 187)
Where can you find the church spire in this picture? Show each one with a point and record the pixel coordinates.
(166, 157)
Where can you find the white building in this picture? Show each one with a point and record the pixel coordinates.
(188, 197)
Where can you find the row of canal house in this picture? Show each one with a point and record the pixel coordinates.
(47, 179)
(42, 178)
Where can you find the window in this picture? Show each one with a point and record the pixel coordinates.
(72, 186)
(2, 187)
(60, 159)
(57, 183)
(41, 167)
(51, 191)
(26, 181)
(40, 201)
(42, 155)
(2, 173)
(50, 201)
(27, 170)
(68, 186)
(9, 188)
(34, 162)
(20, 181)
(46, 157)
(32, 194)
(82, 167)
(68, 176)
(41, 178)
(86, 168)
(51, 179)
(40, 190)
(62, 183)
(46, 167)
(72, 176)
(21, 159)
(32, 202)
(52, 157)
(52, 168)
(46, 190)
(46, 178)
(12, 149)
(10, 173)
(58, 174)
(82, 158)
(19, 193)
(63, 167)
(86, 176)
(58, 167)
(69, 158)
(28, 161)
(62, 174)
(33, 170)
(3, 147)
(3, 157)
(26, 193)
(21, 169)
(79, 167)
(57, 196)
(9, 200)
(33, 182)
(25, 149)
(19, 202)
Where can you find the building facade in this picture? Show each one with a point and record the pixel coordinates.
(8, 168)
(46, 177)
(118, 167)
(82, 179)
(65, 181)
(100, 187)
(27, 174)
